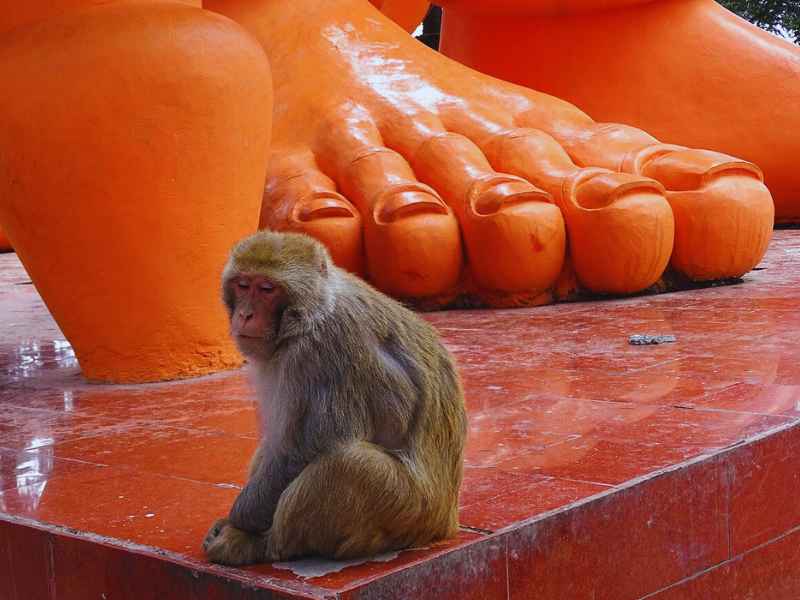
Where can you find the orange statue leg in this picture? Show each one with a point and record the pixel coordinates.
(406, 13)
(432, 179)
(688, 71)
(135, 140)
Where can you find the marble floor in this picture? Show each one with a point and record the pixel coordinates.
(595, 468)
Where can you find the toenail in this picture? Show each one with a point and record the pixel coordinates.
(593, 189)
(687, 169)
(636, 161)
(373, 151)
(404, 201)
(489, 196)
(324, 205)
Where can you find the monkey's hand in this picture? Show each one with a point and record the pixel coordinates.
(227, 545)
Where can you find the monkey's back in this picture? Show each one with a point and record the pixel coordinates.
(379, 362)
(437, 432)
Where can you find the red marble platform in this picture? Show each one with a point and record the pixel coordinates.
(595, 469)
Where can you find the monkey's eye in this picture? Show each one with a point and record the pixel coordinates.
(267, 287)
(243, 284)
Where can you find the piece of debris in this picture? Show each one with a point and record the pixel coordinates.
(308, 568)
(651, 340)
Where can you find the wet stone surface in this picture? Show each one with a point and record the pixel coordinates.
(562, 408)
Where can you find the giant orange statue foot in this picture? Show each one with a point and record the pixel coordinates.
(431, 178)
(688, 71)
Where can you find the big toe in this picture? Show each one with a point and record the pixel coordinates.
(724, 213)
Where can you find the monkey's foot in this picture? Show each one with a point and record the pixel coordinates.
(226, 545)
(434, 180)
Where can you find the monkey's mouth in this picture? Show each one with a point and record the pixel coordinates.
(253, 347)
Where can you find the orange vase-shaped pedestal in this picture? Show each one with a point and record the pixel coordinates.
(134, 139)
(5, 245)
(406, 13)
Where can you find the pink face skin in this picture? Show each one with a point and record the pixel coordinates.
(257, 301)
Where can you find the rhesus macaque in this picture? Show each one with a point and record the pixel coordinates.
(363, 413)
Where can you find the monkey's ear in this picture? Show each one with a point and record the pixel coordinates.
(323, 265)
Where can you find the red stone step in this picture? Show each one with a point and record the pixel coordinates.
(594, 469)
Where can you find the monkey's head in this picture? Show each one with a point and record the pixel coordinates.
(275, 287)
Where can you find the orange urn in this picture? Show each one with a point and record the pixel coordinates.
(5, 245)
(134, 138)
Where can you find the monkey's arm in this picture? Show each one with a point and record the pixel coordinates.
(256, 504)
(256, 462)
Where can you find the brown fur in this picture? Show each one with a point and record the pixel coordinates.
(364, 417)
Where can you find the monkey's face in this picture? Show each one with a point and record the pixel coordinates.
(258, 304)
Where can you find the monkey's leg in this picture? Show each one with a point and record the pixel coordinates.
(228, 545)
(357, 501)
(256, 462)
(269, 476)
(239, 539)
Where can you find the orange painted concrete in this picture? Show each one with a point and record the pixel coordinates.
(134, 138)
(435, 181)
(17, 14)
(681, 457)
(406, 13)
(5, 245)
(134, 170)
(537, 7)
(687, 71)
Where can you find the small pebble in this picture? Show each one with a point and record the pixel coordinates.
(651, 340)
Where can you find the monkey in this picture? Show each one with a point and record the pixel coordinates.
(362, 409)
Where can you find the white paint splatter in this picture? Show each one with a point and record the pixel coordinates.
(317, 567)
